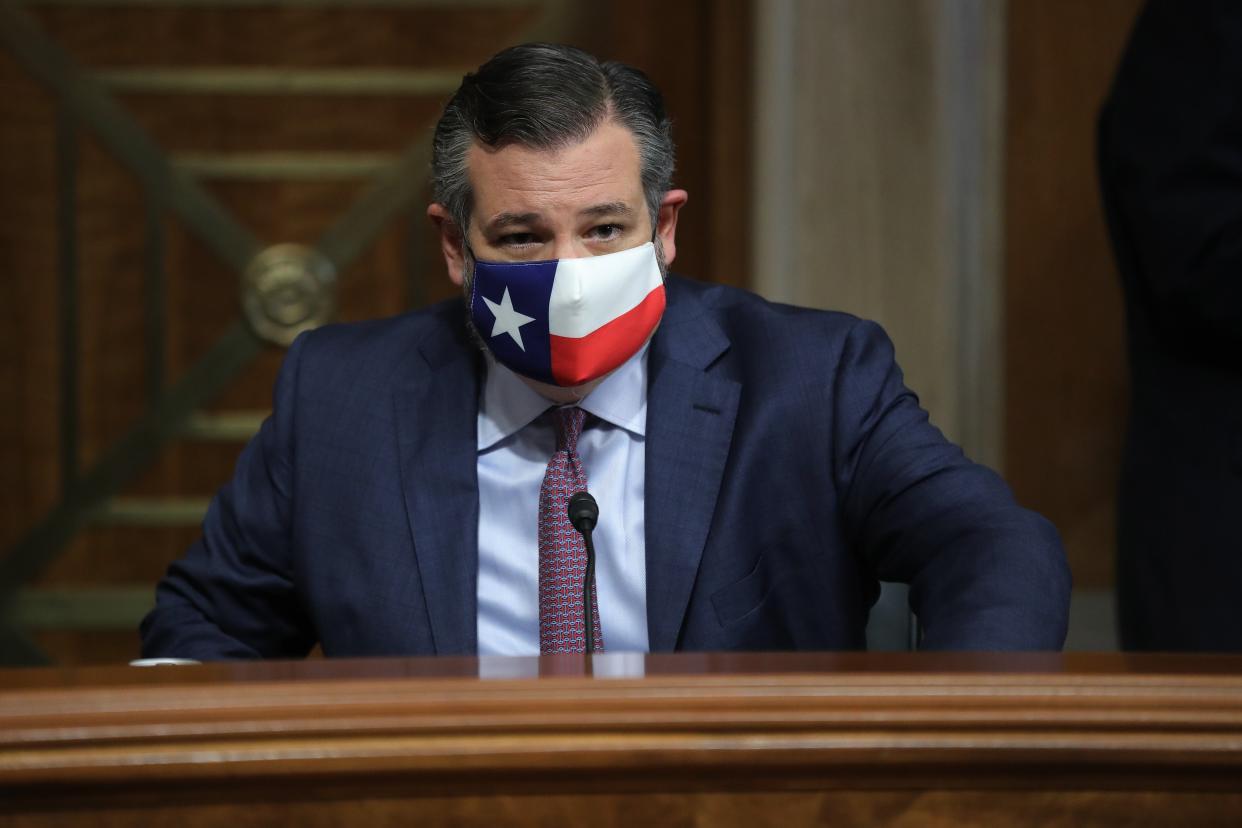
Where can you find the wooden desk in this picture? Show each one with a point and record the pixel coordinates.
(694, 739)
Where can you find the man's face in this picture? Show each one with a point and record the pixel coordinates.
(582, 200)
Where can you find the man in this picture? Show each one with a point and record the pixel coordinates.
(757, 466)
(1170, 149)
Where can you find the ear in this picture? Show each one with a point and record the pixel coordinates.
(666, 221)
(451, 241)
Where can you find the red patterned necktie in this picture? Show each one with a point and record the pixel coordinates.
(562, 552)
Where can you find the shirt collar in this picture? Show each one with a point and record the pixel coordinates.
(508, 404)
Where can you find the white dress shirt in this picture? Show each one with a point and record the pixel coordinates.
(515, 444)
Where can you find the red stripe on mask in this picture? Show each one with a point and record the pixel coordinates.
(582, 359)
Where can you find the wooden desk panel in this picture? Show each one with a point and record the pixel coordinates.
(903, 738)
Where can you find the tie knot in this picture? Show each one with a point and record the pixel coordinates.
(568, 420)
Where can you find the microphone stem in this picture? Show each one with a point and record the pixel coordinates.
(588, 616)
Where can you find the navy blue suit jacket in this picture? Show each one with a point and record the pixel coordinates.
(787, 469)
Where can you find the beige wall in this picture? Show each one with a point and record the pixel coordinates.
(878, 128)
(930, 164)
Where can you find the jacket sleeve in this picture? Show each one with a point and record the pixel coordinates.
(232, 595)
(1170, 157)
(985, 574)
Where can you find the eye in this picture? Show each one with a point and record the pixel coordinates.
(516, 240)
(606, 232)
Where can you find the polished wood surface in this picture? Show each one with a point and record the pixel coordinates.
(686, 736)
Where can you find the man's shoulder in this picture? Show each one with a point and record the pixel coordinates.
(743, 315)
(369, 357)
(770, 345)
(391, 338)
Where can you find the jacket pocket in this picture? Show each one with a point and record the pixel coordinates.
(743, 597)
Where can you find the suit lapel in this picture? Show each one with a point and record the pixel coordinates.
(437, 414)
(690, 416)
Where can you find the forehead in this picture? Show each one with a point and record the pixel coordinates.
(604, 168)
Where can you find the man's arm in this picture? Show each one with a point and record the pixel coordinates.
(985, 574)
(1170, 154)
(232, 595)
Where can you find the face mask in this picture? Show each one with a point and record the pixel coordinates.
(568, 321)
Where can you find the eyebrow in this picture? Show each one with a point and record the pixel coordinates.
(610, 208)
(510, 219)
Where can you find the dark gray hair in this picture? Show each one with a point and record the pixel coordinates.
(547, 96)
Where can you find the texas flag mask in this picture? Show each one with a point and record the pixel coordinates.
(568, 321)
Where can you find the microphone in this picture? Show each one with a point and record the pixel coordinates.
(584, 514)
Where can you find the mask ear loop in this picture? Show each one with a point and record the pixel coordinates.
(655, 244)
(474, 270)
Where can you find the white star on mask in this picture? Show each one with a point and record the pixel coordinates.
(507, 319)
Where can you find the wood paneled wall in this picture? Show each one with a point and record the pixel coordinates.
(696, 50)
(1064, 333)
